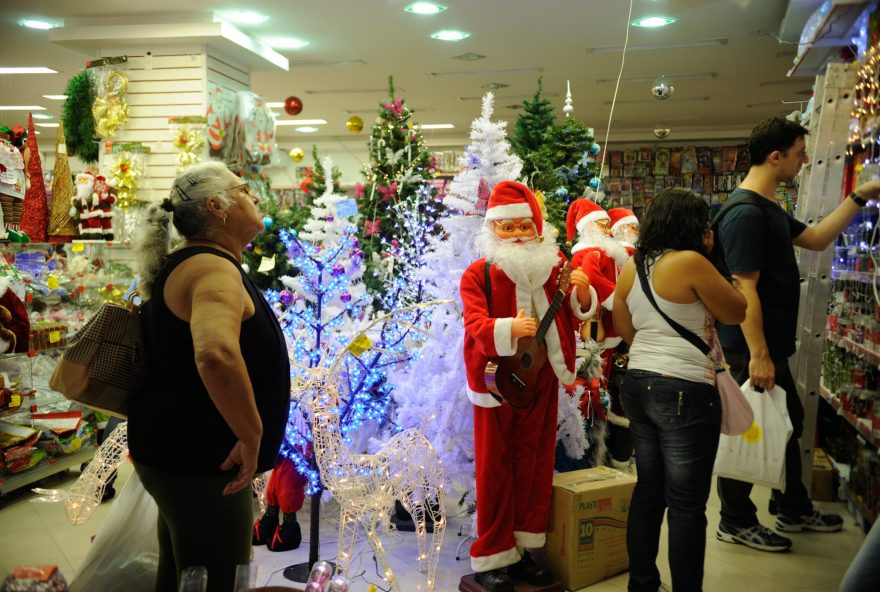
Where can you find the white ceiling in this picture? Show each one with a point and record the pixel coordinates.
(521, 40)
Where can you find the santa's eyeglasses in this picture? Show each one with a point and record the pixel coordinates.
(526, 227)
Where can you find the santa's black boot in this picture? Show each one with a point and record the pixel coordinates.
(265, 526)
(530, 572)
(495, 580)
(287, 536)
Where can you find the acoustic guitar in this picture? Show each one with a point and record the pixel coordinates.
(514, 378)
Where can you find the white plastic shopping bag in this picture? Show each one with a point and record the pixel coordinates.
(758, 455)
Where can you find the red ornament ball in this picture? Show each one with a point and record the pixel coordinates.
(293, 105)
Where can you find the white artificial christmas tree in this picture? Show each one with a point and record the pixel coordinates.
(331, 213)
(431, 393)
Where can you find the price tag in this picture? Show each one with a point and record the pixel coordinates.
(54, 336)
(52, 282)
(346, 208)
(266, 264)
(77, 247)
(361, 344)
(15, 401)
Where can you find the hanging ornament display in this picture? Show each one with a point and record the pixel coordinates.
(221, 110)
(293, 106)
(297, 154)
(125, 172)
(188, 136)
(62, 227)
(662, 88)
(110, 109)
(354, 124)
(35, 210)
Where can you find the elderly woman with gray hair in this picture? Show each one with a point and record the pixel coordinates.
(214, 407)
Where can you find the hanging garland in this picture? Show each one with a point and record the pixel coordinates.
(126, 169)
(79, 123)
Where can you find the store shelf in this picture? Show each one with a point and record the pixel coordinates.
(49, 467)
(854, 348)
(854, 503)
(865, 430)
(865, 277)
(832, 34)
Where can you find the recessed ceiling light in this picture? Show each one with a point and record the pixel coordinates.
(469, 57)
(56, 97)
(47, 124)
(430, 126)
(21, 108)
(652, 22)
(284, 42)
(37, 24)
(450, 35)
(306, 129)
(41, 116)
(35, 70)
(245, 17)
(301, 122)
(425, 8)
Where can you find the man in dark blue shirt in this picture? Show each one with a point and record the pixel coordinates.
(756, 239)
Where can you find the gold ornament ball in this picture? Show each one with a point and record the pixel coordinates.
(354, 124)
(297, 154)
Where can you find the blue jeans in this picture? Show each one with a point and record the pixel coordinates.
(675, 427)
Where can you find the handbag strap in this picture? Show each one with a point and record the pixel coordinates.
(687, 334)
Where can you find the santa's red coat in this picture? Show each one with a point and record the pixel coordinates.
(602, 270)
(487, 332)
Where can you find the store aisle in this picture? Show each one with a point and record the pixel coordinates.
(38, 533)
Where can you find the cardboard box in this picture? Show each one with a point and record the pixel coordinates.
(822, 487)
(586, 542)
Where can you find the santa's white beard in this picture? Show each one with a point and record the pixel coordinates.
(526, 263)
(627, 237)
(591, 237)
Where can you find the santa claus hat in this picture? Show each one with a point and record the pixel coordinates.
(621, 217)
(580, 213)
(510, 199)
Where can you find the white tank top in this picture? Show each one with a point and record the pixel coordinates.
(657, 347)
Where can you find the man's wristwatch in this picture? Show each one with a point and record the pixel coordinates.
(859, 201)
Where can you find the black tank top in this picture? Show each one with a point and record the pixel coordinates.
(173, 425)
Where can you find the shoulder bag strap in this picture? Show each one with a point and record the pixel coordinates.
(687, 334)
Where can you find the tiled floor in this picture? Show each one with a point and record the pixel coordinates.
(38, 533)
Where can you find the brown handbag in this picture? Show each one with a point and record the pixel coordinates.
(104, 364)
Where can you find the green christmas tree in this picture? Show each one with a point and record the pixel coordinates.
(399, 171)
(531, 126)
(268, 244)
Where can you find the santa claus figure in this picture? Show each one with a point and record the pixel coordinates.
(92, 206)
(278, 528)
(601, 258)
(506, 294)
(624, 228)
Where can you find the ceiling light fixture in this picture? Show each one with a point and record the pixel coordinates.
(47, 124)
(652, 22)
(285, 42)
(350, 91)
(549, 95)
(635, 101)
(41, 116)
(469, 57)
(34, 70)
(535, 70)
(21, 108)
(37, 24)
(425, 8)
(300, 122)
(306, 129)
(275, 105)
(495, 85)
(659, 46)
(55, 97)
(245, 17)
(432, 126)
(450, 35)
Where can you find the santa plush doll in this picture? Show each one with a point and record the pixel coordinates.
(506, 294)
(624, 228)
(278, 528)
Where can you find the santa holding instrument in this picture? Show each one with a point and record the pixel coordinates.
(506, 295)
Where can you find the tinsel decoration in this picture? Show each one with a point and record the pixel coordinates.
(35, 210)
(62, 227)
(189, 139)
(110, 109)
(78, 119)
(126, 170)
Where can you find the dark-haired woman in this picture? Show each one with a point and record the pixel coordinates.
(669, 392)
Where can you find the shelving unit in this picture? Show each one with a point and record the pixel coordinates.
(47, 468)
(865, 430)
(832, 34)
